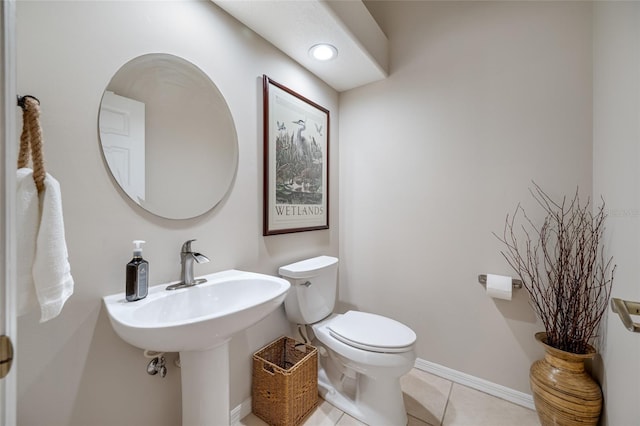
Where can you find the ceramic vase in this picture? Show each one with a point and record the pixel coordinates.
(563, 392)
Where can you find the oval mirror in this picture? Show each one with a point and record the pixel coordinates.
(167, 136)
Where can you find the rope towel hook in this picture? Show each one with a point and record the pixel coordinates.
(31, 137)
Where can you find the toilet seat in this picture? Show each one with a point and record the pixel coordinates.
(372, 332)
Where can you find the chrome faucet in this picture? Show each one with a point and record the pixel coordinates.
(187, 257)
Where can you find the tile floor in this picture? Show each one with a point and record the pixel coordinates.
(432, 401)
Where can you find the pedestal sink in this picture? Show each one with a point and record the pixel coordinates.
(198, 322)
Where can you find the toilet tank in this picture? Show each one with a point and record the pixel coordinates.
(312, 295)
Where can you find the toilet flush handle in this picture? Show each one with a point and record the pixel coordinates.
(306, 283)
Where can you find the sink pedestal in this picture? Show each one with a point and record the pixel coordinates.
(205, 386)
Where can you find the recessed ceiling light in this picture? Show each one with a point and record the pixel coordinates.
(323, 52)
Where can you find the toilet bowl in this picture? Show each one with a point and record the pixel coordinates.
(363, 355)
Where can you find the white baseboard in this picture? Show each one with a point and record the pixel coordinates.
(494, 389)
(240, 412)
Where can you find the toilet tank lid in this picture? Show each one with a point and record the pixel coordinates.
(307, 268)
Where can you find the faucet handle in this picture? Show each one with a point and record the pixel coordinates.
(186, 247)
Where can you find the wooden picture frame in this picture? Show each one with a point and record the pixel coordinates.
(296, 161)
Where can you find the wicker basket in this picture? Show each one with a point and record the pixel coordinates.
(285, 382)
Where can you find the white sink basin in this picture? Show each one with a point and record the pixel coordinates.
(198, 322)
(199, 317)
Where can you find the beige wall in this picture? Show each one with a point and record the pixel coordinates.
(74, 370)
(616, 176)
(482, 99)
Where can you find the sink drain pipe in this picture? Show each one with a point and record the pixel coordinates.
(158, 363)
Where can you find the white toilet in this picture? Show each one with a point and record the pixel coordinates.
(362, 355)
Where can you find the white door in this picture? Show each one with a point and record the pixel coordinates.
(122, 134)
(8, 385)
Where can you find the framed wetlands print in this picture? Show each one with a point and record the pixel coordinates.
(296, 161)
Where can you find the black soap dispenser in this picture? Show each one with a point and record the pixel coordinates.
(137, 274)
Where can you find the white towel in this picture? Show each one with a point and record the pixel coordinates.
(27, 224)
(44, 272)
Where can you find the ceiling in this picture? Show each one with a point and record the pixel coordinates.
(295, 26)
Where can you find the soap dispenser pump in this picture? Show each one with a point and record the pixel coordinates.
(137, 274)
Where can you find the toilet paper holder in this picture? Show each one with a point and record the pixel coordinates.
(482, 279)
(626, 308)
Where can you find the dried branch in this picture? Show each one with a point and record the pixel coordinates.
(562, 266)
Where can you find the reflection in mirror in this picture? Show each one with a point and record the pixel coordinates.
(122, 136)
(167, 136)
